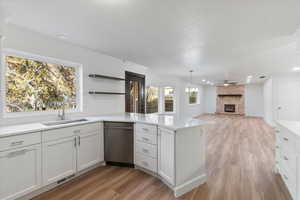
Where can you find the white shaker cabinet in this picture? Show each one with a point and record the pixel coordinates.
(67, 151)
(20, 167)
(287, 159)
(166, 155)
(90, 148)
(59, 159)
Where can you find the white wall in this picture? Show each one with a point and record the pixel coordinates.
(268, 101)
(254, 100)
(93, 62)
(210, 99)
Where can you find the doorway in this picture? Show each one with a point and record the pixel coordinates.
(135, 92)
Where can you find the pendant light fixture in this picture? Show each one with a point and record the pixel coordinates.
(190, 87)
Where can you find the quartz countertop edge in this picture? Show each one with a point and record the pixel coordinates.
(293, 126)
(166, 121)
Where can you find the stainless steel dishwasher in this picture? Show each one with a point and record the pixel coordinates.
(118, 143)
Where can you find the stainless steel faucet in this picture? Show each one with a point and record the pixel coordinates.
(62, 114)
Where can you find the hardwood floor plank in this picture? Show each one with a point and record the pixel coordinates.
(240, 163)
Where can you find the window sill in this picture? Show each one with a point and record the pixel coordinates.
(168, 113)
(194, 104)
(38, 113)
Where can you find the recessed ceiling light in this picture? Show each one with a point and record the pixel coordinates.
(203, 80)
(296, 69)
(249, 77)
(62, 36)
(226, 84)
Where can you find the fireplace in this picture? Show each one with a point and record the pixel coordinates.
(229, 108)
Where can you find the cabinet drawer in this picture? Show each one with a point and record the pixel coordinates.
(288, 162)
(290, 181)
(89, 128)
(145, 128)
(147, 138)
(287, 141)
(60, 133)
(146, 162)
(146, 149)
(19, 141)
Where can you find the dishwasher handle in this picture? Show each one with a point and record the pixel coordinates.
(123, 128)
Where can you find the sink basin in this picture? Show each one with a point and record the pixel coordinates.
(56, 123)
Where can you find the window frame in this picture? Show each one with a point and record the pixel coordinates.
(189, 93)
(163, 99)
(159, 99)
(25, 55)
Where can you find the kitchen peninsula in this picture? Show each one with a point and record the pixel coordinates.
(168, 147)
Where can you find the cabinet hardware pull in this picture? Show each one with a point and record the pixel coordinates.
(145, 129)
(286, 139)
(16, 153)
(285, 158)
(145, 150)
(79, 140)
(75, 142)
(146, 139)
(17, 143)
(277, 147)
(277, 131)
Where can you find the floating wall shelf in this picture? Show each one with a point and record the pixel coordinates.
(113, 93)
(230, 95)
(106, 77)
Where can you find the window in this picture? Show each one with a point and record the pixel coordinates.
(169, 99)
(34, 84)
(152, 97)
(193, 95)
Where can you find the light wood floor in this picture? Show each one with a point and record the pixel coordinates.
(240, 160)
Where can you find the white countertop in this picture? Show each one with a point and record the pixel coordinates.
(293, 126)
(167, 121)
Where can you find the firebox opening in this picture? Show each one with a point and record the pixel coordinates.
(229, 108)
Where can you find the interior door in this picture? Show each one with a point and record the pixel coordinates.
(288, 100)
(135, 92)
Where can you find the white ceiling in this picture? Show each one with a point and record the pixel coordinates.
(219, 39)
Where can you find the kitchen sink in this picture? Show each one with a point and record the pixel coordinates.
(56, 123)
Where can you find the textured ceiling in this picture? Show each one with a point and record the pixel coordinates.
(224, 39)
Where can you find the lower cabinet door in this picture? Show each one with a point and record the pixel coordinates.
(59, 159)
(90, 150)
(166, 155)
(20, 171)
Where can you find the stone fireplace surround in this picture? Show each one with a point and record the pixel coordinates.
(233, 94)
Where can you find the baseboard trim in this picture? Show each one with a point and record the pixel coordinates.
(189, 185)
